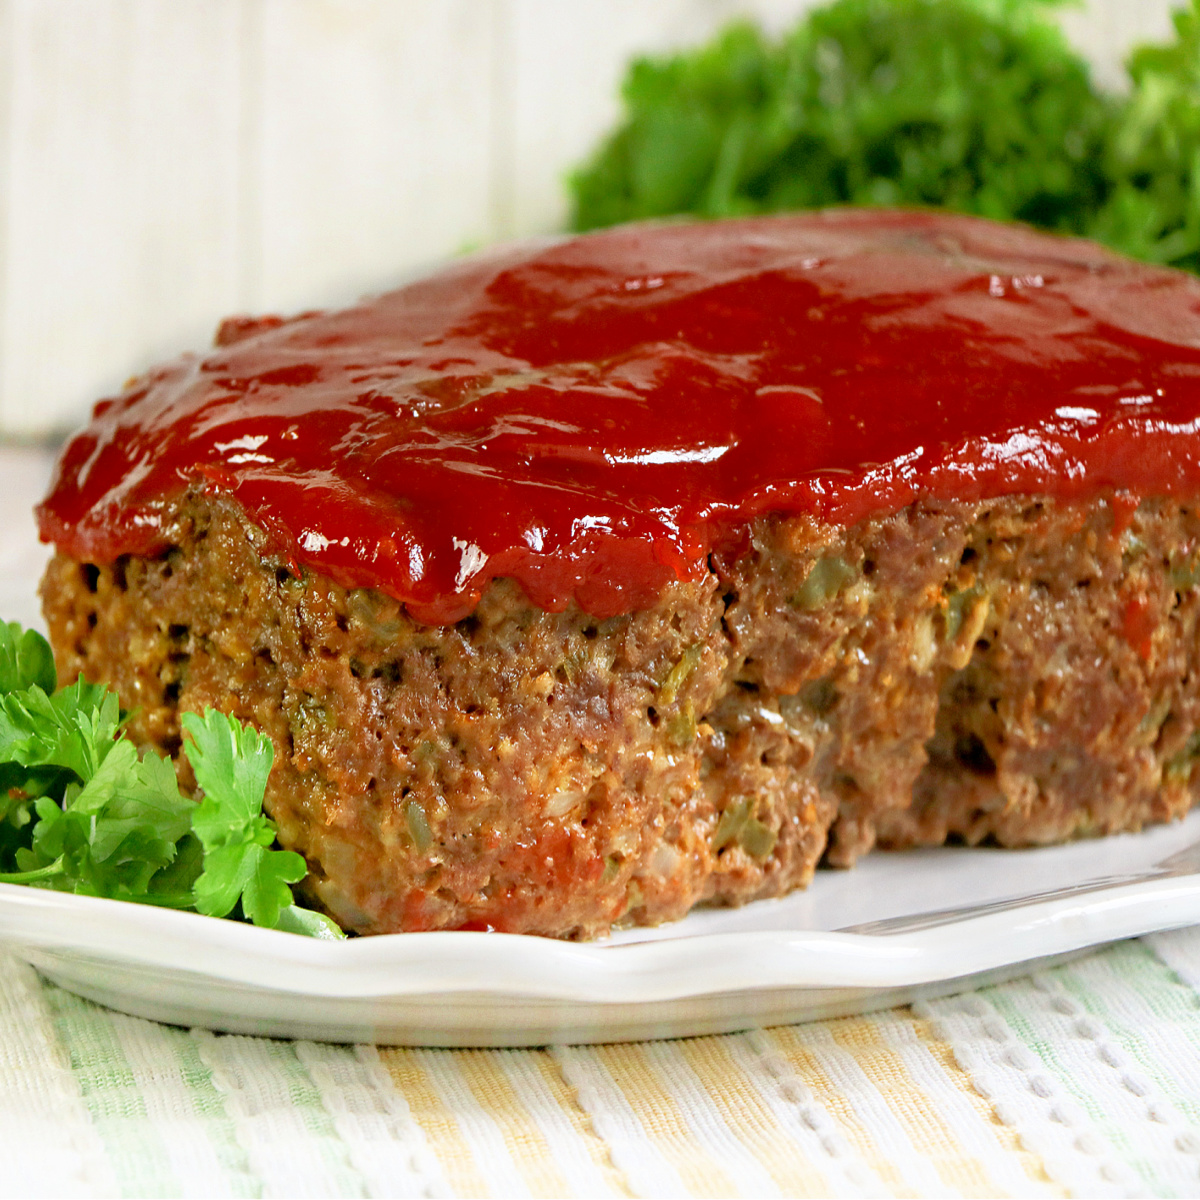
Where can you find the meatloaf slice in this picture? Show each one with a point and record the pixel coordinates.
(558, 774)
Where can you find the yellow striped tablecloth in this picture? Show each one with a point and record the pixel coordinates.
(1082, 1080)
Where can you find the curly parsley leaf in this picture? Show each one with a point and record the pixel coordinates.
(111, 834)
(248, 873)
(232, 762)
(48, 739)
(26, 660)
(72, 729)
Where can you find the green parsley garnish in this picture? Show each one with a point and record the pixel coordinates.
(1153, 161)
(975, 105)
(980, 106)
(82, 812)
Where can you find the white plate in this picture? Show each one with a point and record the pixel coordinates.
(891, 930)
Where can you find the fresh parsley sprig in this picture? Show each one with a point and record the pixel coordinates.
(231, 763)
(81, 811)
(979, 106)
(975, 105)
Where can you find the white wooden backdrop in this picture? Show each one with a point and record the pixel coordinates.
(165, 162)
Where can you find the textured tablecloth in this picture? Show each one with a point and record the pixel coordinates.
(1083, 1080)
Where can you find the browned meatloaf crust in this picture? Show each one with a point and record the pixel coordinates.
(1022, 670)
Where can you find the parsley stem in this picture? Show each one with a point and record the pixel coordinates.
(180, 900)
(55, 868)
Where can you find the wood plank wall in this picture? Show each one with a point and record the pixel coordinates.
(165, 162)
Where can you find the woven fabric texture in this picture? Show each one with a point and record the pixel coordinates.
(1082, 1080)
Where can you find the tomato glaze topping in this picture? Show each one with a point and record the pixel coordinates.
(591, 416)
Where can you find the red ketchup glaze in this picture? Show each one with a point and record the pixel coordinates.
(591, 416)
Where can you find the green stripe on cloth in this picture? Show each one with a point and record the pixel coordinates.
(178, 1091)
(1081, 1049)
(134, 1144)
(289, 1136)
(164, 1124)
(1029, 1099)
(1151, 1014)
(41, 1108)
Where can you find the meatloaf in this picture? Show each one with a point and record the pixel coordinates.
(588, 581)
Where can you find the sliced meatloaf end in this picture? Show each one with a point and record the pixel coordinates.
(1076, 712)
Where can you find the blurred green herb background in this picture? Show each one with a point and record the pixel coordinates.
(975, 105)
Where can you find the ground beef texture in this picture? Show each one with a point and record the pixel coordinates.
(1020, 670)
